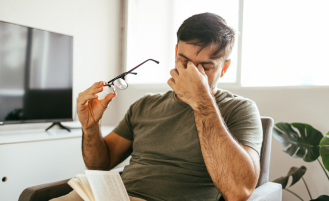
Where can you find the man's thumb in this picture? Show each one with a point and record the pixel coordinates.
(108, 98)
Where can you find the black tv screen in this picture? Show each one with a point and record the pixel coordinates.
(35, 75)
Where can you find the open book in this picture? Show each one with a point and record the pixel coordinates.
(100, 186)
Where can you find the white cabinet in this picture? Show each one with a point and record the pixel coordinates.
(36, 157)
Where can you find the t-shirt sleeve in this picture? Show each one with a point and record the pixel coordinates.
(245, 125)
(125, 127)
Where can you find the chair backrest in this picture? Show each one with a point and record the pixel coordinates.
(265, 154)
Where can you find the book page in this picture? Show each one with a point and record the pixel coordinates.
(77, 186)
(86, 186)
(107, 186)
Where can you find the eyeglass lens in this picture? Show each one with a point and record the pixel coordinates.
(120, 83)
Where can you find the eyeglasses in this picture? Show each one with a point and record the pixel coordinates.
(119, 81)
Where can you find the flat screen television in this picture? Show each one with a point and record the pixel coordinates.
(36, 75)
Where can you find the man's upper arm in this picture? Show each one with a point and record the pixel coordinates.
(245, 125)
(119, 148)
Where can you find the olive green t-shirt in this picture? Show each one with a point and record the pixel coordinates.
(166, 162)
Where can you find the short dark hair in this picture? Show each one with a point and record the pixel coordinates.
(205, 29)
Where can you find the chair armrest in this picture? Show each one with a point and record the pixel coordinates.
(45, 191)
(50, 190)
(268, 191)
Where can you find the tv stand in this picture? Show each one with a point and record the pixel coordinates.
(59, 124)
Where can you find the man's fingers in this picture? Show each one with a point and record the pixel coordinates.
(190, 64)
(171, 83)
(95, 87)
(174, 73)
(91, 92)
(96, 90)
(83, 100)
(180, 67)
(100, 83)
(201, 69)
(107, 99)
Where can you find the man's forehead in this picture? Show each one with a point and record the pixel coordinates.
(191, 50)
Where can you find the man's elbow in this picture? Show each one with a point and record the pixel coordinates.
(104, 168)
(98, 166)
(241, 194)
(246, 193)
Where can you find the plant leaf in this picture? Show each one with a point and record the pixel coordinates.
(322, 198)
(324, 150)
(296, 174)
(305, 145)
(282, 180)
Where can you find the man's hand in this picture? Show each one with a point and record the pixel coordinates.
(99, 153)
(190, 83)
(90, 109)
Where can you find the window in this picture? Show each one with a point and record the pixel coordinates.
(284, 43)
(151, 33)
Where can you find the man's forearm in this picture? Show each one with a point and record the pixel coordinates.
(94, 149)
(229, 165)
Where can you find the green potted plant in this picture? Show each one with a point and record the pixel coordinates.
(301, 140)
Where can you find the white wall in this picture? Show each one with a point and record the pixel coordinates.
(94, 24)
(289, 104)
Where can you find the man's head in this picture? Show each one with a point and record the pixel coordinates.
(206, 39)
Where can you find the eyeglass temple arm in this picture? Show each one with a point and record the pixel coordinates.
(142, 64)
(129, 72)
(121, 75)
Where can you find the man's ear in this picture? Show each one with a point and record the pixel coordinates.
(175, 50)
(225, 67)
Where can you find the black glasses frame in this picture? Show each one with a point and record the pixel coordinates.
(123, 75)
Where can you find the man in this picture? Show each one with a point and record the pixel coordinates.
(193, 143)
